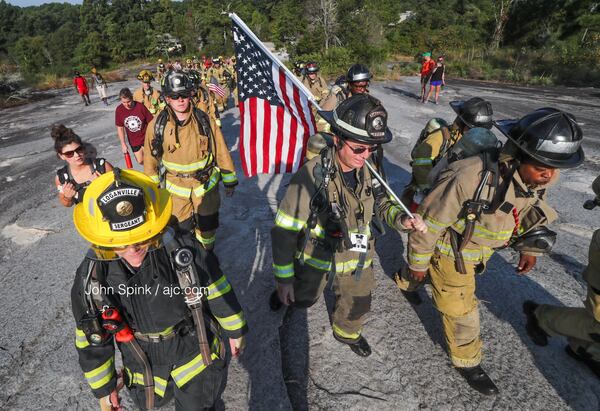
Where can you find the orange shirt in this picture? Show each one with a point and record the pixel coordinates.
(427, 68)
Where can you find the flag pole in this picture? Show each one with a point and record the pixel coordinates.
(299, 84)
(260, 44)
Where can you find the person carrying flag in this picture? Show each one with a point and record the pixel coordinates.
(322, 227)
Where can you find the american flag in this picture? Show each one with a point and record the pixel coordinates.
(276, 116)
(215, 88)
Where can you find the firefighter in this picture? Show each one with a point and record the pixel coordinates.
(158, 293)
(148, 95)
(188, 145)
(202, 98)
(223, 77)
(314, 82)
(356, 82)
(322, 227)
(160, 70)
(483, 203)
(433, 144)
(581, 325)
(234, 89)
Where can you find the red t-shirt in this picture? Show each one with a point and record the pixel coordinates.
(427, 68)
(81, 84)
(135, 122)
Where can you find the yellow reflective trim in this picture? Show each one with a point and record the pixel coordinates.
(100, 376)
(233, 322)
(392, 213)
(229, 177)
(341, 333)
(219, 288)
(283, 271)
(160, 384)
(435, 225)
(340, 267)
(482, 232)
(212, 183)
(206, 240)
(415, 258)
(184, 373)
(177, 190)
(422, 161)
(80, 339)
(186, 168)
(155, 178)
(469, 254)
(318, 231)
(287, 222)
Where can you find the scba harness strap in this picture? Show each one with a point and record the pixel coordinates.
(65, 176)
(203, 121)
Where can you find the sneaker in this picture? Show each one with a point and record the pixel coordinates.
(534, 331)
(478, 380)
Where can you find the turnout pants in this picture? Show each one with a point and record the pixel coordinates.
(453, 295)
(352, 298)
(577, 324)
(178, 373)
(199, 214)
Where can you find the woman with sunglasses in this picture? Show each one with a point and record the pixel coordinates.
(79, 171)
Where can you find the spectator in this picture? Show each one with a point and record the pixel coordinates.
(426, 70)
(438, 79)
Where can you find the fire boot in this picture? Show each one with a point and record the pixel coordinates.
(535, 332)
(478, 380)
(359, 347)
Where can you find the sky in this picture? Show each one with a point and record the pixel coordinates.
(25, 3)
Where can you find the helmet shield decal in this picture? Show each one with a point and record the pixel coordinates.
(377, 123)
(123, 206)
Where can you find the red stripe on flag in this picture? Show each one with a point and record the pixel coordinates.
(266, 136)
(305, 126)
(253, 130)
(279, 140)
(291, 133)
(289, 166)
(243, 139)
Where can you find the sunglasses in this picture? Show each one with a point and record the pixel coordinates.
(179, 95)
(71, 153)
(136, 245)
(360, 150)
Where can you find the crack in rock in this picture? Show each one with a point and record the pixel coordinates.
(359, 393)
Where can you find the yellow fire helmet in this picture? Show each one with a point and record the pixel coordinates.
(121, 208)
(145, 76)
(159, 61)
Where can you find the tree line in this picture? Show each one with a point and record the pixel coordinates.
(558, 40)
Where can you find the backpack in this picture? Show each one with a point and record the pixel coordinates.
(65, 176)
(431, 127)
(159, 130)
